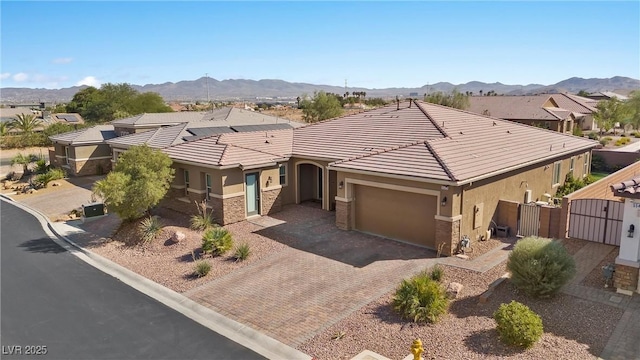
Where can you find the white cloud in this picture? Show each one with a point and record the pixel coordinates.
(4, 76)
(89, 80)
(62, 60)
(20, 77)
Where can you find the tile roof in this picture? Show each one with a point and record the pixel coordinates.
(475, 146)
(629, 188)
(226, 116)
(94, 134)
(210, 152)
(512, 107)
(424, 141)
(364, 133)
(575, 103)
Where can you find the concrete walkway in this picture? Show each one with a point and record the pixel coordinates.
(588, 258)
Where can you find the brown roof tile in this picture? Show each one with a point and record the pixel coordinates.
(512, 107)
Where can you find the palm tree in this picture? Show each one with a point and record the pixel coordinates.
(24, 160)
(4, 128)
(25, 123)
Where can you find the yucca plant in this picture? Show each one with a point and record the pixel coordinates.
(216, 241)
(242, 252)
(204, 220)
(149, 228)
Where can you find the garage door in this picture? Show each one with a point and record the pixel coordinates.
(396, 214)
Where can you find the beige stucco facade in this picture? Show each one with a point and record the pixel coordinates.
(81, 160)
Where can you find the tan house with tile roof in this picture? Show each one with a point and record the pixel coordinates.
(557, 112)
(83, 152)
(413, 172)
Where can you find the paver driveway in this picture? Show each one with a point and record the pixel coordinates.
(324, 275)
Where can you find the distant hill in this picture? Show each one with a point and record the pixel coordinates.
(256, 90)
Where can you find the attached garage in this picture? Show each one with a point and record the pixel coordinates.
(400, 215)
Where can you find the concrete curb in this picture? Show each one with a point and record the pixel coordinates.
(231, 329)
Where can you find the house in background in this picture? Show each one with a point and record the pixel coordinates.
(413, 172)
(89, 151)
(67, 118)
(606, 95)
(83, 152)
(557, 112)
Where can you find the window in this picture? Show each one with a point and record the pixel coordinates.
(66, 155)
(116, 155)
(186, 182)
(207, 180)
(571, 164)
(283, 174)
(556, 173)
(586, 164)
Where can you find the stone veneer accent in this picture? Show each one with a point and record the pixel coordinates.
(343, 215)
(233, 209)
(447, 236)
(271, 201)
(90, 167)
(625, 277)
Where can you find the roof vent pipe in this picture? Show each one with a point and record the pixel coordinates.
(398, 102)
(410, 101)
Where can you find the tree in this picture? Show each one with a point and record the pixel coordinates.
(609, 112)
(25, 123)
(583, 93)
(4, 128)
(455, 99)
(113, 101)
(24, 160)
(633, 109)
(140, 179)
(323, 106)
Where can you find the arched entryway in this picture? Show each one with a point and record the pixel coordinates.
(311, 187)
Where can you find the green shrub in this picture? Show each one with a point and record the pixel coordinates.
(604, 142)
(216, 241)
(437, 272)
(421, 299)
(593, 136)
(41, 166)
(637, 134)
(202, 268)
(149, 228)
(539, 266)
(577, 131)
(608, 138)
(242, 252)
(43, 180)
(518, 325)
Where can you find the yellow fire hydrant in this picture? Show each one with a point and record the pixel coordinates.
(417, 349)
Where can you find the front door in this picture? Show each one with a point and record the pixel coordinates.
(252, 195)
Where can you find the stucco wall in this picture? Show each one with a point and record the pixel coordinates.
(511, 186)
(91, 151)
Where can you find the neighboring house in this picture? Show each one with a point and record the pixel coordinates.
(606, 95)
(83, 152)
(557, 112)
(67, 118)
(165, 129)
(412, 171)
(10, 114)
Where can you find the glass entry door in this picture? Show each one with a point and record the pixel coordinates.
(252, 195)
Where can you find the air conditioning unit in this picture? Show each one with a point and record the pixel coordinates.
(527, 196)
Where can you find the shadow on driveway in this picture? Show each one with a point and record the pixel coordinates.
(42, 245)
(313, 230)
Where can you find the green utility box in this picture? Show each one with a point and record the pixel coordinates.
(93, 210)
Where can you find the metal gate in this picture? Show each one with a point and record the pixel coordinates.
(529, 220)
(596, 220)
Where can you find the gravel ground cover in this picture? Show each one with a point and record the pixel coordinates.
(574, 328)
(172, 265)
(573, 245)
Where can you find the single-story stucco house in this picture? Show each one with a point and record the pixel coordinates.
(558, 112)
(412, 171)
(91, 151)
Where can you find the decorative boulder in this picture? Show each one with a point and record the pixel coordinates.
(32, 191)
(453, 290)
(177, 237)
(55, 184)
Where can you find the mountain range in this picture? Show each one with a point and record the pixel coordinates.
(257, 90)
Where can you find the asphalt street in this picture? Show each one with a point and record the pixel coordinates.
(52, 302)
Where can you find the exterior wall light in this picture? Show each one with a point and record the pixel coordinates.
(341, 185)
(444, 201)
(632, 228)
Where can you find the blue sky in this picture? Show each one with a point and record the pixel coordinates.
(371, 44)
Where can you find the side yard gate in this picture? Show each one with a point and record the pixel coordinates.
(529, 220)
(596, 220)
